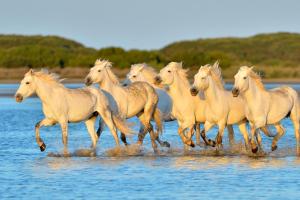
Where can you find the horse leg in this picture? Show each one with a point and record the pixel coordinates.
(259, 140)
(219, 137)
(142, 131)
(44, 122)
(190, 135)
(100, 128)
(230, 135)
(90, 125)
(254, 147)
(64, 130)
(266, 131)
(280, 132)
(207, 127)
(106, 115)
(181, 134)
(145, 120)
(123, 139)
(295, 119)
(198, 132)
(243, 130)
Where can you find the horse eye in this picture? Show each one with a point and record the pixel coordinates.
(99, 70)
(134, 76)
(27, 83)
(169, 71)
(203, 78)
(244, 77)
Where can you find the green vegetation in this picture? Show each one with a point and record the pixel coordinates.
(277, 54)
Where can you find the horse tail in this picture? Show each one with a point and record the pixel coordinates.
(158, 120)
(122, 125)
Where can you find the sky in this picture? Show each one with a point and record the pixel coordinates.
(152, 24)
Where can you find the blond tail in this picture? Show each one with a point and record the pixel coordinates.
(122, 125)
(158, 120)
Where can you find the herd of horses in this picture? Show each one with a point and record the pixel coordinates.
(162, 97)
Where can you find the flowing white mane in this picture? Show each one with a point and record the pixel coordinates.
(182, 73)
(148, 72)
(108, 65)
(103, 62)
(51, 78)
(256, 77)
(217, 74)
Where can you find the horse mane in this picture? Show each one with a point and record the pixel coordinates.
(148, 72)
(51, 78)
(108, 66)
(182, 73)
(216, 75)
(256, 77)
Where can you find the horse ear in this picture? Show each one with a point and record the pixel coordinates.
(216, 64)
(141, 67)
(108, 65)
(251, 68)
(31, 71)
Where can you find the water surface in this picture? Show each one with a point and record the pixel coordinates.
(200, 173)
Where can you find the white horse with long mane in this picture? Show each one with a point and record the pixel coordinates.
(139, 99)
(187, 109)
(62, 105)
(144, 73)
(221, 108)
(266, 107)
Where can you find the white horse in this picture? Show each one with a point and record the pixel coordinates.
(187, 109)
(264, 107)
(62, 105)
(142, 72)
(221, 108)
(145, 73)
(139, 99)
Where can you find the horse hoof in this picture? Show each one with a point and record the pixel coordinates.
(192, 144)
(43, 147)
(166, 144)
(274, 148)
(255, 150)
(212, 143)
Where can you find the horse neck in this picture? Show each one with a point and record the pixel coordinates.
(149, 80)
(254, 93)
(44, 91)
(114, 89)
(108, 85)
(179, 88)
(213, 93)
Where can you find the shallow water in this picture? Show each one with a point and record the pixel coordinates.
(131, 173)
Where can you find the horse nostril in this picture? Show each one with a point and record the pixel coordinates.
(19, 98)
(88, 81)
(193, 91)
(157, 80)
(235, 92)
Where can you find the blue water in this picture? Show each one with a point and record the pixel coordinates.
(200, 173)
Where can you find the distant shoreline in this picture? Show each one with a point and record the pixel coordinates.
(77, 75)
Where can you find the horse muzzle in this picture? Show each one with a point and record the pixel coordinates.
(194, 91)
(235, 92)
(88, 81)
(19, 98)
(157, 80)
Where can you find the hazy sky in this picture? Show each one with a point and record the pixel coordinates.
(147, 24)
